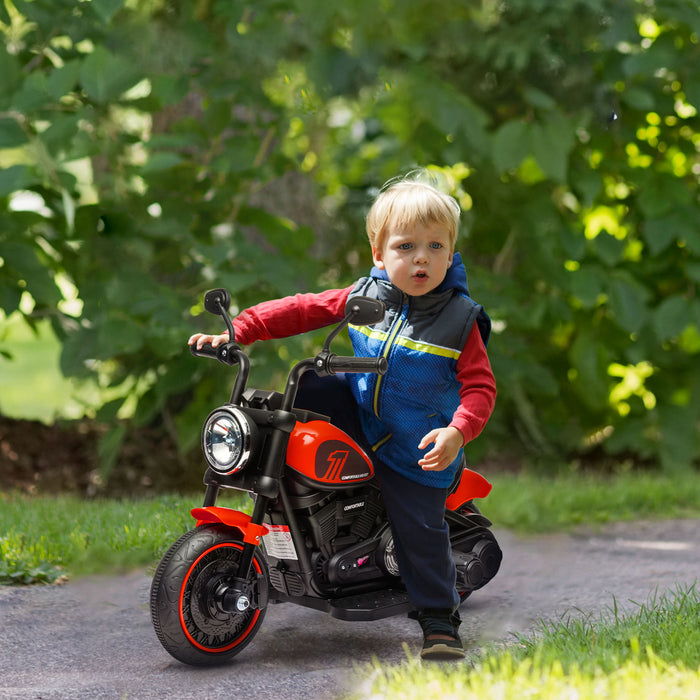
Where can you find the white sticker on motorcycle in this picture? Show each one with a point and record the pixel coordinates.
(278, 542)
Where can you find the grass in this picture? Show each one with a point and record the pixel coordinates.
(33, 386)
(45, 537)
(653, 653)
(530, 503)
(668, 625)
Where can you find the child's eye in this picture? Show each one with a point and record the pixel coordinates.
(435, 245)
(405, 246)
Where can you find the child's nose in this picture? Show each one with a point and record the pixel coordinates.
(421, 255)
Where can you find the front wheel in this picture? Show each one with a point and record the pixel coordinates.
(185, 606)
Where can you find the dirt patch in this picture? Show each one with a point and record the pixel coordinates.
(60, 458)
(63, 458)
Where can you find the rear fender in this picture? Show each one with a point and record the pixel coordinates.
(230, 518)
(471, 485)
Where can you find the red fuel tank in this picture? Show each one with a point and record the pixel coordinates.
(327, 456)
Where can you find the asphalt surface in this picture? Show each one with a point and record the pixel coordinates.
(92, 638)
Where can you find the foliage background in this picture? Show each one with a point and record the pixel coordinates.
(151, 150)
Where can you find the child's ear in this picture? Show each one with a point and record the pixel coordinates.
(377, 257)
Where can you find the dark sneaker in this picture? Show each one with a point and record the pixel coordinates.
(437, 649)
(441, 640)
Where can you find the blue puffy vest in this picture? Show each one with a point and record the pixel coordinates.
(422, 339)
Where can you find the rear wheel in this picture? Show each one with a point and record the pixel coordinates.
(186, 608)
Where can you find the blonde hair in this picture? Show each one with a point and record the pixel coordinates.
(403, 203)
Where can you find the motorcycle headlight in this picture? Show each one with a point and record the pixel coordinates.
(227, 440)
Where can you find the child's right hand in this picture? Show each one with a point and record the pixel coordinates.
(201, 338)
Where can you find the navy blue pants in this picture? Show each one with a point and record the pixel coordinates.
(416, 512)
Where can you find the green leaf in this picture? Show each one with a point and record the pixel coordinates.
(587, 183)
(60, 134)
(105, 76)
(510, 145)
(639, 99)
(10, 297)
(238, 157)
(692, 92)
(118, 335)
(10, 71)
(551, 144)
(691, 238)
(161, 161)
(608, 248)
(659, 233)
(680, 440)
(628, 300)
(21, 260)
(692, 269)
(630, 436)
(108, 411)
(671, 317)
(11, 133)
(539, 99)
(681, 223)
(32, 95)
(288, 238)
(448, 109)
(590, 360)
(662, 193)
(63, 80)
(538, 380)
(587, 284)
(78, 348)
(169, 89)
(106, 9)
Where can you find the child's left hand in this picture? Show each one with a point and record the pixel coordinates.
(448, 442)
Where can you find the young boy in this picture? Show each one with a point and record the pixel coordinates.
(439, 389)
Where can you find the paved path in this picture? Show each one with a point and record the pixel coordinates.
(92, 638)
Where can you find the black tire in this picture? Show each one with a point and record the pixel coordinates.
(189, 625)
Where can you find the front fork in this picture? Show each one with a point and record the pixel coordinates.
(239, 593)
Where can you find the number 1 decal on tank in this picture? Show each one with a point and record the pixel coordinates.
(322, 453)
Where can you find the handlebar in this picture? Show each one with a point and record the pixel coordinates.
(228, 353)
(335, 363)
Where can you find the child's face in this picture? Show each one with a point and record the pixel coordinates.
(416, 259)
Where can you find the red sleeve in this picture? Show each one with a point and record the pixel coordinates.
(477, 391)
(281, 318)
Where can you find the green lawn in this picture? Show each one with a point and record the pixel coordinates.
(65, 535)
(533, 503)
(652, 654)
(32, 384)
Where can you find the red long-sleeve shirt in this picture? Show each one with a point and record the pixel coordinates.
(281, 318)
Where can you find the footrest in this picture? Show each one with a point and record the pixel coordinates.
(375, 605)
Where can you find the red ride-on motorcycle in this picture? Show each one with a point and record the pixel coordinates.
(318, 535)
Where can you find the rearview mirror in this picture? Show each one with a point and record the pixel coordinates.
(364, 311)
(217, 300)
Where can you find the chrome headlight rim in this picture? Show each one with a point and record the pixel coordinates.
(231, 452)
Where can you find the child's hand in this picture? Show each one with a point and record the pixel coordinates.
(215, 340)
(448, 442)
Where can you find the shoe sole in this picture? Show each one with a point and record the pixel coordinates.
(442, 652)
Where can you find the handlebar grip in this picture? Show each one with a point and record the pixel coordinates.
(226, 353)
(376, 365)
